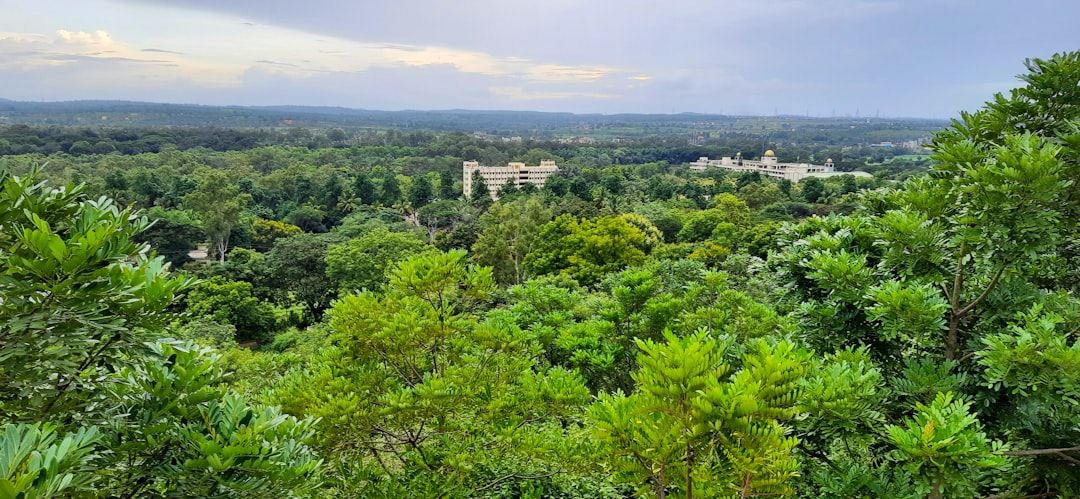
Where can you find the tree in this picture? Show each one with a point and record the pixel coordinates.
(175, 429)
(664, 219)
(233, 303)
(298, 266)
(508, 230)
(697, 425)
(760, 194)
(266, 232)
(307, 218)
(113, 407)
(509, 188)
(331, 192)
(700, 225)
(361, 263)
(812, 189)
(67, 471)
(172, 235)
(337, 136)
(420, 192)
(147, 186)
(557, 185)
(585, 250)
(446, 186)
(390, 190)
(613, 189)
(431, 367)
(580, 188)
(80, 148)
(944, 446)
(480, 193)
(218, 204)
(79, 295)
(943, 280)
(364, 188)
(443, 216)
(661, 187)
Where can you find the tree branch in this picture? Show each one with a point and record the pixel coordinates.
(820, 455)
(1034, 496)
(990, 287)
(958, 282)
(1068, 458)
(515, 475)
(1039, 452)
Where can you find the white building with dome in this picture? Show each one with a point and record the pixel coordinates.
(768, 165)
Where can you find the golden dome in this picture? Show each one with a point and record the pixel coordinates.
(769, 154)
(828, 160)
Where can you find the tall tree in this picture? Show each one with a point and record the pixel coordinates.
(390, 190)
(697, 425)
(98, 403)
(441, 383)
(446, 185)
(509, 188)
(586, 250)
(507, 235)
(420, 192)
(480, 193)
(364, 188)
(943, 281)
(812, 189)
(218, 204)
(298, 265)
(72, 304)
(361, 263)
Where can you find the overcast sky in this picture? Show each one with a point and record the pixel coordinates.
(927, 58)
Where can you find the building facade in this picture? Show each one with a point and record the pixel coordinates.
(494, 177)
(768, 165)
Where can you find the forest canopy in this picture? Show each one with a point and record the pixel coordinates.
(336, 319)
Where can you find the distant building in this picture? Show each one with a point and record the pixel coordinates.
(494, 177)
(768, 165)
(917, 144)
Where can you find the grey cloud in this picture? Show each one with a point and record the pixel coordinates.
(101, 59)
(898, 57)
(398, 46)
(275, 63)
(162, 51)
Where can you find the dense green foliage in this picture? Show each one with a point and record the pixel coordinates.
(95, 401)
(633, 329)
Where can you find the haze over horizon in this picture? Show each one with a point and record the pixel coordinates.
(918, 58)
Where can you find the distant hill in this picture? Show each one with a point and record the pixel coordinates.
(113, 113)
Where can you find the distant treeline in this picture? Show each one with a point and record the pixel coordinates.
(527, 124)
(397, 143)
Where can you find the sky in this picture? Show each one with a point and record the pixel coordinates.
(889, 58)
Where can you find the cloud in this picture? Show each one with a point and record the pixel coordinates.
(162, 51)
(275, 63)
(223, 58)
(521, 94)
(95, 57)
(752, 56)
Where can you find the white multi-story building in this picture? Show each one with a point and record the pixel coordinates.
(494, 177)
(768, 165)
